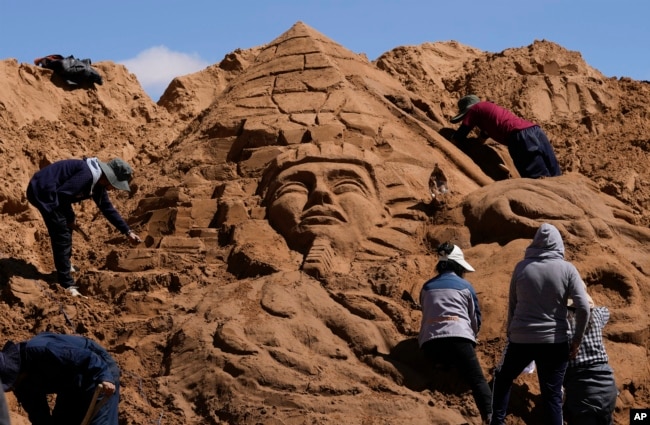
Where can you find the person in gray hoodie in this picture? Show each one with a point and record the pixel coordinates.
(537, 325)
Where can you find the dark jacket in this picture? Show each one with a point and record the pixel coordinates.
(66, 182)
(69, 366)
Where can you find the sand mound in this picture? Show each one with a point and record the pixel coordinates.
(229, 313)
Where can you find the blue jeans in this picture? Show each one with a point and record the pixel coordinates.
(551, 361)
(460, 352)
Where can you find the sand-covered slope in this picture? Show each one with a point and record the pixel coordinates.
(229, 313)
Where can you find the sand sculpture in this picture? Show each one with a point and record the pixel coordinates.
(285, 202)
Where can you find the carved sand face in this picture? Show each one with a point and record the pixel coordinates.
(337, 201)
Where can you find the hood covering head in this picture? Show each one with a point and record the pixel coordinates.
(546, 243)
(9, 365)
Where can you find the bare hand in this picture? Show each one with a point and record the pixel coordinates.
(135, 239)
(107, 388)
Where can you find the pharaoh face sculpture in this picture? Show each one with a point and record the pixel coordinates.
(331, 197)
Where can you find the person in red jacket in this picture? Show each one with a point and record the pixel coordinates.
(528, 146)
(54, 189)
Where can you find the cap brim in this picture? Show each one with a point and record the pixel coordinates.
(464, 264)
(121, 185)
(112, 178)
(458, 117)
(456, 255)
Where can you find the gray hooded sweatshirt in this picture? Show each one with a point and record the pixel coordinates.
(540, 287)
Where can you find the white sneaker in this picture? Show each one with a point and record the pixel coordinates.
(73, 291)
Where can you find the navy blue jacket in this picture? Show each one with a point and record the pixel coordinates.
(66, 182)
(66, 365)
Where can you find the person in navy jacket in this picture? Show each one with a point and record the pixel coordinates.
(54, 189)
(70, 366)
(451, 319)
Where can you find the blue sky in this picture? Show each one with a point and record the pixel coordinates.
(158, 40)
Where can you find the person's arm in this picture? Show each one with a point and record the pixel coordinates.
(578, 294)
(100, 196)
(461, 134)
(477, 320)
(512, 301)
(97, 369)
(113, 216)
(601, 316)
(69, 215)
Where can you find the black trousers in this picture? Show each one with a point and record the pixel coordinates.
(60, 239)
(551, 361)
(460, 352)
(590, 395)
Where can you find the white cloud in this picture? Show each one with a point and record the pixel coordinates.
(157, 66)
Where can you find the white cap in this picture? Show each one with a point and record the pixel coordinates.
(457, 256)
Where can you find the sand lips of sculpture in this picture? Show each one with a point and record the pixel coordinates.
(318, 215)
